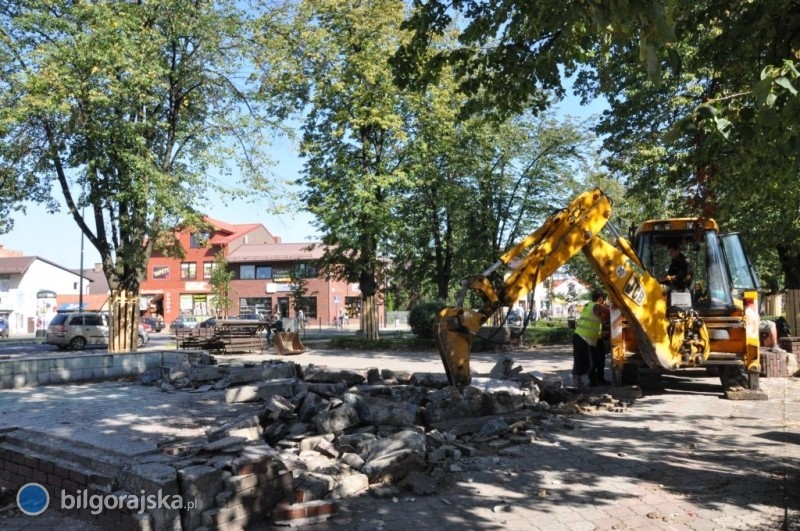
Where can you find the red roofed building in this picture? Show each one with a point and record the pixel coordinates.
(261, 265)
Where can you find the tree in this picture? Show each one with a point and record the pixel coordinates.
(720, 129)
(123, 108)
(299, 289)
(729, 109)
(220, 282)
(329, 60)
(477, 187)
(510, 54)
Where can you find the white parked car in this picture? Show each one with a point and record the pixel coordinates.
(79, 330)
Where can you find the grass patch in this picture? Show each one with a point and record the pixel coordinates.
(389, 343)
(548, 333)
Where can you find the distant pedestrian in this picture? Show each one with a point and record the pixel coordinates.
(587, 334)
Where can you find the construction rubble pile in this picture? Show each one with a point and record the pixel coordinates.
(319, 435)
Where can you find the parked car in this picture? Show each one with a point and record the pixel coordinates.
(144, 337)
(77, 330)
(250, 316)
(208, 323)
(156, 325)
(184, 321)
(146, 326)
(3, 326)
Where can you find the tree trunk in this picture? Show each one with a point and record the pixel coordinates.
(124, 321)
(790, 264)
(370, 323)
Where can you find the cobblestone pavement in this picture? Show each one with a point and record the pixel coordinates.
(681, 457)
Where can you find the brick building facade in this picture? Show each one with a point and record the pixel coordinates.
(261, 265)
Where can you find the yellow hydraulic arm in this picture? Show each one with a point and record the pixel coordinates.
(662, 342)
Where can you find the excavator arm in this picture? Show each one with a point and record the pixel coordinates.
(663, 341)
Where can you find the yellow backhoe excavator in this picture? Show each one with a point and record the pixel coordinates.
(712, 323)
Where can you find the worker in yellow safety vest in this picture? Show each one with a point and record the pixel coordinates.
(588, 352)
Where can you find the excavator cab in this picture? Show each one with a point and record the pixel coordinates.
(720, 270)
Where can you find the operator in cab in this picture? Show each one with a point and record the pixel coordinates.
(679, 274)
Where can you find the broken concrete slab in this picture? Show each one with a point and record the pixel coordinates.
(383, 412)
(430, 379)
(394, 456)
(322, 375)
(349, 484)
(261, 391)
(248, 420)
(224, 444)
(336, 420)
(269, 371)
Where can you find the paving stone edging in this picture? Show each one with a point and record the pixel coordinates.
(86, 367)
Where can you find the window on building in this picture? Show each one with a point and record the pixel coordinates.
(263, 271)
(188, 270)
(208, 269)
(247, 272)
(259, 305)
(309, 307)
(187, 304)
(305, 270)
(5, 281)
(199, 240)
(352, 306)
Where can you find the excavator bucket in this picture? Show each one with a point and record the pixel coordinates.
(288, 344)
(454, 343)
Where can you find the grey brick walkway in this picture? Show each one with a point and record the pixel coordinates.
(680, 458)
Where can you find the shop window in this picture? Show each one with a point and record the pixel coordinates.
(259, 305)
(309, 306)
(353, 307)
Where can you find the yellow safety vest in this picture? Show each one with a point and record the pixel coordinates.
(589, 326)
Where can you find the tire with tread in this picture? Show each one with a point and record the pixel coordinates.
(77, 343)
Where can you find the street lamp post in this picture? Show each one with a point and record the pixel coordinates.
(83, 237)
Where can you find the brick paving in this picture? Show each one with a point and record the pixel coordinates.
(680, 458)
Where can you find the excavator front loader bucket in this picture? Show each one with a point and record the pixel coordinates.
(288, 344)
(454, 329)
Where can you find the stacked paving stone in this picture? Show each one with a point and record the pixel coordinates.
(322, 435)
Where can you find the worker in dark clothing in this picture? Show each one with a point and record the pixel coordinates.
(679, 274)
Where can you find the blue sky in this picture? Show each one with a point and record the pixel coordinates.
(56, 237)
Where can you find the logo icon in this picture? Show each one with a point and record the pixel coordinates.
(32, 499)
